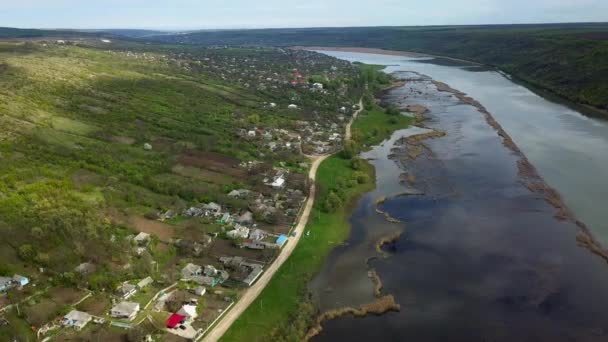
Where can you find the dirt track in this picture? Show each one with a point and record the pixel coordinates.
(254, 291)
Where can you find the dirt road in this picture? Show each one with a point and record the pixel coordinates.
(254, 291)
(348, 134)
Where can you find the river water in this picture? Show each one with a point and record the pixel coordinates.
(481, 257)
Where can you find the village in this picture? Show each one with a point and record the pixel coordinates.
(189, 263)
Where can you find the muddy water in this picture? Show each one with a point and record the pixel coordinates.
(481, 257)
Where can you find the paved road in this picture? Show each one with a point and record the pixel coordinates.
(254, 291)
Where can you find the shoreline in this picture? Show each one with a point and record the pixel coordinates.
(532, 179)
(536, 88)
(528, 175)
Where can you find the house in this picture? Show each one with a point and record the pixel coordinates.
(210, 271)
(257, 234)
(245, 218)
(239, 232)
(206, 281)
(232, 262)
(253, 244)
(292, 106)
(212, 207)
(199, 291)
(191, 270)
(226, 218)
(6, 283)
(85, 268)
(142, 238)
(273, 105)
(76, 319)
(125, 310)
(193, 212)
(281, 240)
(188, 311)
(174, 320)
(251, 134)
(317, 86)
(278, 181)
(256, 271)
(20, 280)
(126, 290)
(145, 282)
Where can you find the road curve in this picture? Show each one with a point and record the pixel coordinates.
(254, 291)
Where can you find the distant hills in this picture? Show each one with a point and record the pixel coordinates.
(570, 60)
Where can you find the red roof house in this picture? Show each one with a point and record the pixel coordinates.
(175, 320)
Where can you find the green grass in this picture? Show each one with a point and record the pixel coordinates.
(17, 328)
(374, 125)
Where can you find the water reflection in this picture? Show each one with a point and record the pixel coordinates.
(482, 257)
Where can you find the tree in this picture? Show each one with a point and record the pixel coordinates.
(349, 150)
(392, 110)
(332, 202)
(356, 163)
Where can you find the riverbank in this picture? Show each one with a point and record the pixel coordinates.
(531, 84)
(283, 309)
(485, 239)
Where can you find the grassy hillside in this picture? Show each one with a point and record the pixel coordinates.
(98, 139)
(570, 60)
(74, 124)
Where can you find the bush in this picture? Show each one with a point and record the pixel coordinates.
(392, 110)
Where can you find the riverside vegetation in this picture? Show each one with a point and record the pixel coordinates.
(283, 311)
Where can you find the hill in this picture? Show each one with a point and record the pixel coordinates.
(570, 60)
(96, 142)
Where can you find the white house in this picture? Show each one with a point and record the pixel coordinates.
(145, 282)
(76, 319)
(278, 181)
(318, 86)
(238, 232)
(251, 134)
(125, 310)
(273, 105)
(126, 290)
(142, 238)
(188, 311)
(292, 106)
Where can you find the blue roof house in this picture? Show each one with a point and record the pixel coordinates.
(21, 280)
(281, 240)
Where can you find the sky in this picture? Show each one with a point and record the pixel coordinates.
(211, 14)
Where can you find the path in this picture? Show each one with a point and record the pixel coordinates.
(348, 133)
(254, 291)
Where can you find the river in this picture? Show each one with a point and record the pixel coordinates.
(482, 255)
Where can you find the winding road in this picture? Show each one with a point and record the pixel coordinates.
(254, 291)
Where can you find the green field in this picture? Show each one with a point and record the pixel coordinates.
(375, 124)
